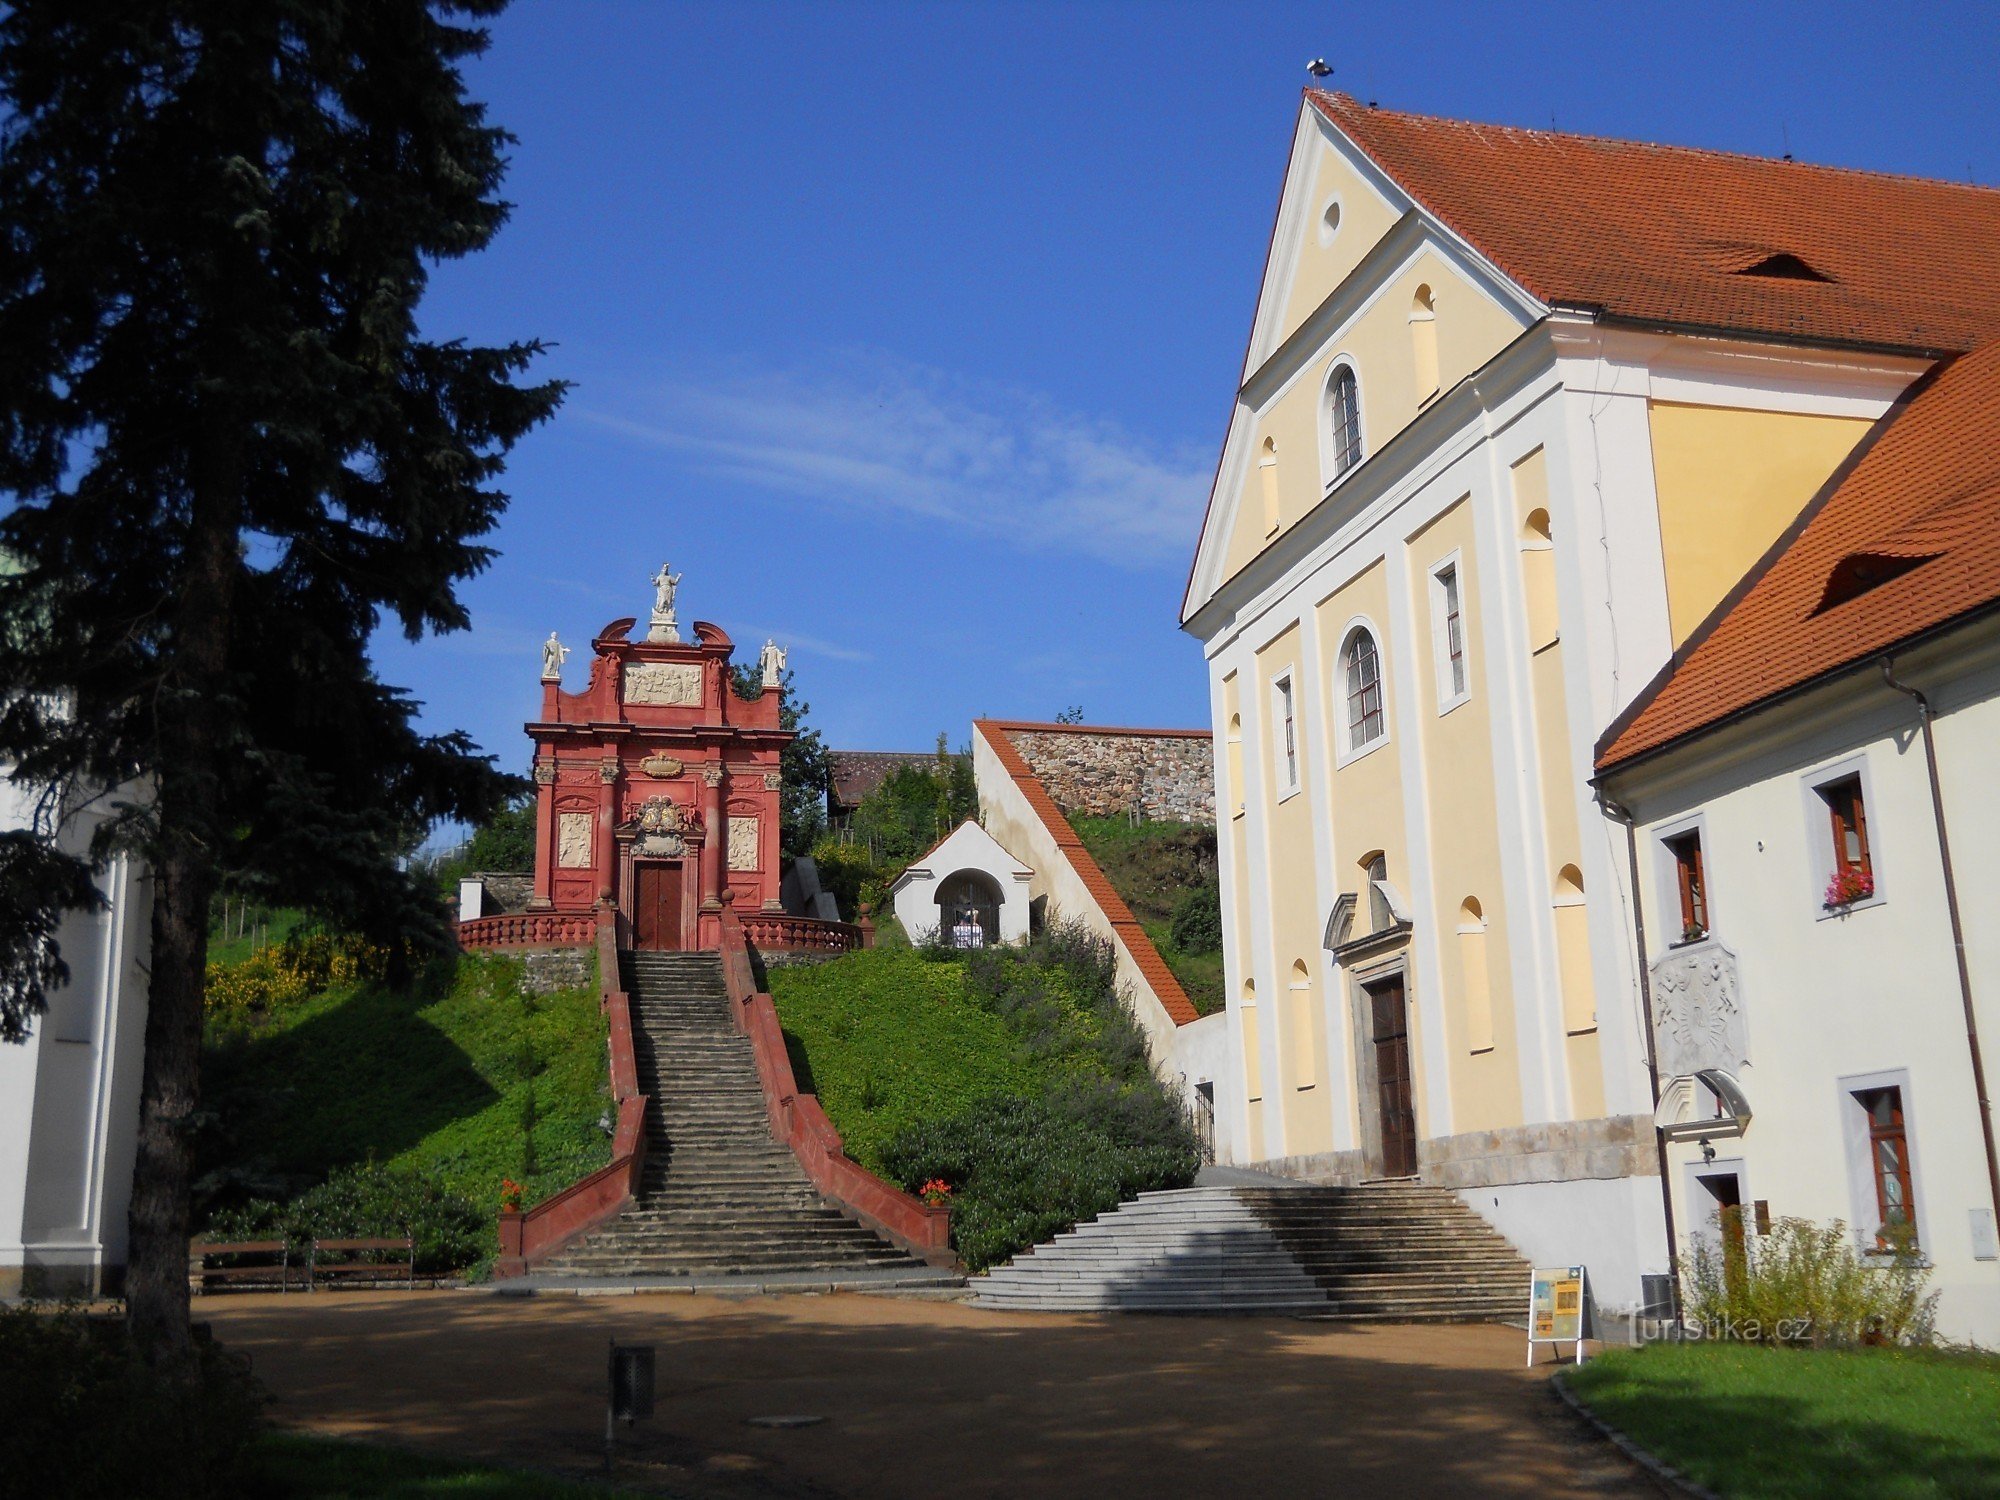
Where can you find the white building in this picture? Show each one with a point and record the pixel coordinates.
(964, 889)
(1802, 927)
(1518, 412)
(69, 1095)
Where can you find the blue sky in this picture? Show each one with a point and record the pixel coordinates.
(909, 333)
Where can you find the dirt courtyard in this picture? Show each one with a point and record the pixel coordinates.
(917, 1399)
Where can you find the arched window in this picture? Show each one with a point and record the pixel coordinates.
(1361, 684)
(1343, 415)
(1538, 577)
(1267, 479)
(1573, 952)
(1475, 977)
(1424, 343)
(1253, 1061)
(1301, 1043)
(1375, 871)
(1235, 747)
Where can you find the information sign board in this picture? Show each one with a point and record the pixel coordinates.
(1555, 1308)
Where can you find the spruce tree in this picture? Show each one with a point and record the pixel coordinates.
(232, 454)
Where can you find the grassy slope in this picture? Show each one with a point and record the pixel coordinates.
(892, 1040)
(430, 1080)
(274, 927)
(1799, 1425)
(1150, 864)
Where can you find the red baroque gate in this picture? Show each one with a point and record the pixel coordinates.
(657, 787)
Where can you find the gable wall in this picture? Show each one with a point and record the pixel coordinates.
(1729, 482)
(1470, 329)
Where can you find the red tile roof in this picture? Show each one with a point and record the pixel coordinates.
(852, 774)
(1145, 957)
(1665, 234)
(1903, 539)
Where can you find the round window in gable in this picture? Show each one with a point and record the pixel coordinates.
(1329, 222)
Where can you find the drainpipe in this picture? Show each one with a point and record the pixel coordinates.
(1925, 713)
(1621, 815)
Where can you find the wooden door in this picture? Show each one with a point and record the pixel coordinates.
(656, 906)
(1395, 1098)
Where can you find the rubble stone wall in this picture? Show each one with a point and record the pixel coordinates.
(1163, 775)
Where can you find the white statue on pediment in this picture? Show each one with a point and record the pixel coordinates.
(772, 660)
(554, 654)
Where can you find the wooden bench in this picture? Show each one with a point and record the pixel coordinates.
(272, 1265)
(405, 1270)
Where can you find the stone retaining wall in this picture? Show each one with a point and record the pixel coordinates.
(546, 970)
(1560, 1151)
(1103, 773)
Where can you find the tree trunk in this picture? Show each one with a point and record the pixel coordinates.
(189, 799)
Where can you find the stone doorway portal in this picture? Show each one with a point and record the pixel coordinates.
(1389, 1031)
(658, 889)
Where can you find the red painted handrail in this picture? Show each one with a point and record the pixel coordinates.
(774, 930)
(798, 1121)
(529, 929)
(528, 1238)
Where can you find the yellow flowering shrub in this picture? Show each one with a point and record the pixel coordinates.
(304, 964)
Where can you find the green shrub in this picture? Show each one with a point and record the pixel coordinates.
(470, 1081)
(850, 873)
(1197, 920)
(1023, 1170)
(369, 1202)
(886, 1038)
(1805, 1284)
(87, 1417)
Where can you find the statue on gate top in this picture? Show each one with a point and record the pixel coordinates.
(665, 583)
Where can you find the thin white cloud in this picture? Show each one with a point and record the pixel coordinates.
(870, 434)
(812, 645)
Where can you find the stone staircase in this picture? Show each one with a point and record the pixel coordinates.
(720, 1198)
(1390, 1252)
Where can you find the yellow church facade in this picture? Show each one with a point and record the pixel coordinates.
(1511, 425)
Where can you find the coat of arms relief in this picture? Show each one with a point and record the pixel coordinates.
(664, 827)
(1698, 1012)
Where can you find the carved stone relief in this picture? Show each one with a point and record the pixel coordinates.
(661, 767)
(774, 781)
(1698, 1012)
(664, 684)
(545, 773)
(573, 840)
(743, 844)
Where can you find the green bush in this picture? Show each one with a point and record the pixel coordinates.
(886, 1039)
(1023, 1170)
(1197, 920)
(850, 874)
(1015, 1075)
(1805, 1284)
(87, 1417)
(451, 1085)
(369, 1202)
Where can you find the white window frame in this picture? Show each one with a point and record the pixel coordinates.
(1333, 204)
(1285, 746)
(1332, 474)
(1450, 695)
(1349, 752)
(1861, 1161)
(1667, 878)
(1819, 834)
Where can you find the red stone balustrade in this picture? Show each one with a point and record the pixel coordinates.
(798, 1121)
(528, 1238)
(774, 931)
(531, 929)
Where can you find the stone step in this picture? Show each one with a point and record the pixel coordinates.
(1378, 1251)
